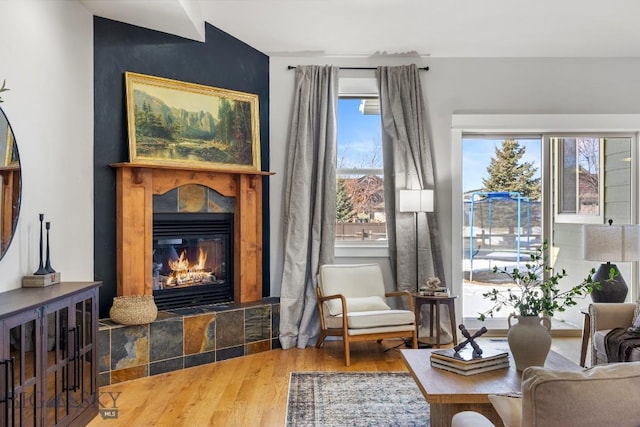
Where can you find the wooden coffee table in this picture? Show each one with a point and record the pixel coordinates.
(449, 393)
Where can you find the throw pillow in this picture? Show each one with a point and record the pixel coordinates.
(635, 326)
(508, 407)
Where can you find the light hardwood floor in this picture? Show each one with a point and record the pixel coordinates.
(247, 391)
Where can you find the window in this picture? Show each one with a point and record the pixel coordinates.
(360, 215)
(579, 177)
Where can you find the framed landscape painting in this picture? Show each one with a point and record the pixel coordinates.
(186, 124)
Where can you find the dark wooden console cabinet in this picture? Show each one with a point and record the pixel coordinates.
(48, 355)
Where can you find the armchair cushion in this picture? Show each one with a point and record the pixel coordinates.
(373, 319)
(355, 304)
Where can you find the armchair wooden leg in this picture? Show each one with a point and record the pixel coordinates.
(414, 340)
(321, 338)
(347, 350)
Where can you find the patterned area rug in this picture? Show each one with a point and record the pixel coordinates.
(355, 399)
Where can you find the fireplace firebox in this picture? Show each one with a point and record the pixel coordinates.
(192, 260)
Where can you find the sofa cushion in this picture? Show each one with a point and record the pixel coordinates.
(598, 344)
(373, 319)
(334, 306)
(600, 396)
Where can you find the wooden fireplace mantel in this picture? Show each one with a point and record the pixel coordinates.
(135, 186)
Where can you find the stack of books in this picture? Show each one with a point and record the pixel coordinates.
(435, 292)
(465, 362)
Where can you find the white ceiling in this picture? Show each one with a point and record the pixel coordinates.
(436, 28)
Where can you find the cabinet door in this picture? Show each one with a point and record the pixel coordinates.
(85, 361)
(58, 340)
(21, 400)
(70, 378)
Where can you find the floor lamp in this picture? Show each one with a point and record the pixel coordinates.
(416, 201)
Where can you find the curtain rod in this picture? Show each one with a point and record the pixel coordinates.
(293, 67)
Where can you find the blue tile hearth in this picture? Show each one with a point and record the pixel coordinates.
(182, 338)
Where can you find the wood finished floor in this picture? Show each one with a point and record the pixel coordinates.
(248, 391)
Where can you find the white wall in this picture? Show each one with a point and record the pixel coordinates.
(480, 86)
(47, 61)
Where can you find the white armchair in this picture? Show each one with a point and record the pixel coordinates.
(358, 290)
(604, 318)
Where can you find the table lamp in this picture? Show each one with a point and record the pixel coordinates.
(610, 243)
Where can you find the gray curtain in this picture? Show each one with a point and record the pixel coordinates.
(408, 164)
(309, 201)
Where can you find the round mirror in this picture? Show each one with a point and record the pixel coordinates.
(10, 183)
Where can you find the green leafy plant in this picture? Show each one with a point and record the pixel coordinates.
(4, 88)
(534, 293)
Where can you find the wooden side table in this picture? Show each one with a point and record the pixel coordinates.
(434, 306)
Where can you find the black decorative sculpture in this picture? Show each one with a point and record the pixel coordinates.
(47, 265)
(41, 270)
(470, 339)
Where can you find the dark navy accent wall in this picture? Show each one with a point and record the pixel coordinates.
(221, 61)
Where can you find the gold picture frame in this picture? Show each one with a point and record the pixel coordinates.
(177, 123)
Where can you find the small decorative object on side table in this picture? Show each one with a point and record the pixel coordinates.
(432, 288)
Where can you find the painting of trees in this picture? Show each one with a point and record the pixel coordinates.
(171, 121)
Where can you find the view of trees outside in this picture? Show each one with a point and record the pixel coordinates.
(509, 172)
(360, 184)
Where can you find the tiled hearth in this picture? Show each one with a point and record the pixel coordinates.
(187, 337)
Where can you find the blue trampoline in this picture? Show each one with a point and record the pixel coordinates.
(489, 197)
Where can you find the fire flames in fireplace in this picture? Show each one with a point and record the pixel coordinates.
(192, 260)
(184, 272)
(200, 263)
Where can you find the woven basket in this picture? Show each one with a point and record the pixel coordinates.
(133, 310)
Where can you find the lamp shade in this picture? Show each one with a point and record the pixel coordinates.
(416, 201)
(610, 243)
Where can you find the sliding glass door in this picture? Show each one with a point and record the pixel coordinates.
(519, 190)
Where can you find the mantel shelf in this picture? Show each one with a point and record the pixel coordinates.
(190, 168)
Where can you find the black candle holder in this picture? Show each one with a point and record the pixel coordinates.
(41, 270)
(47, 265)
